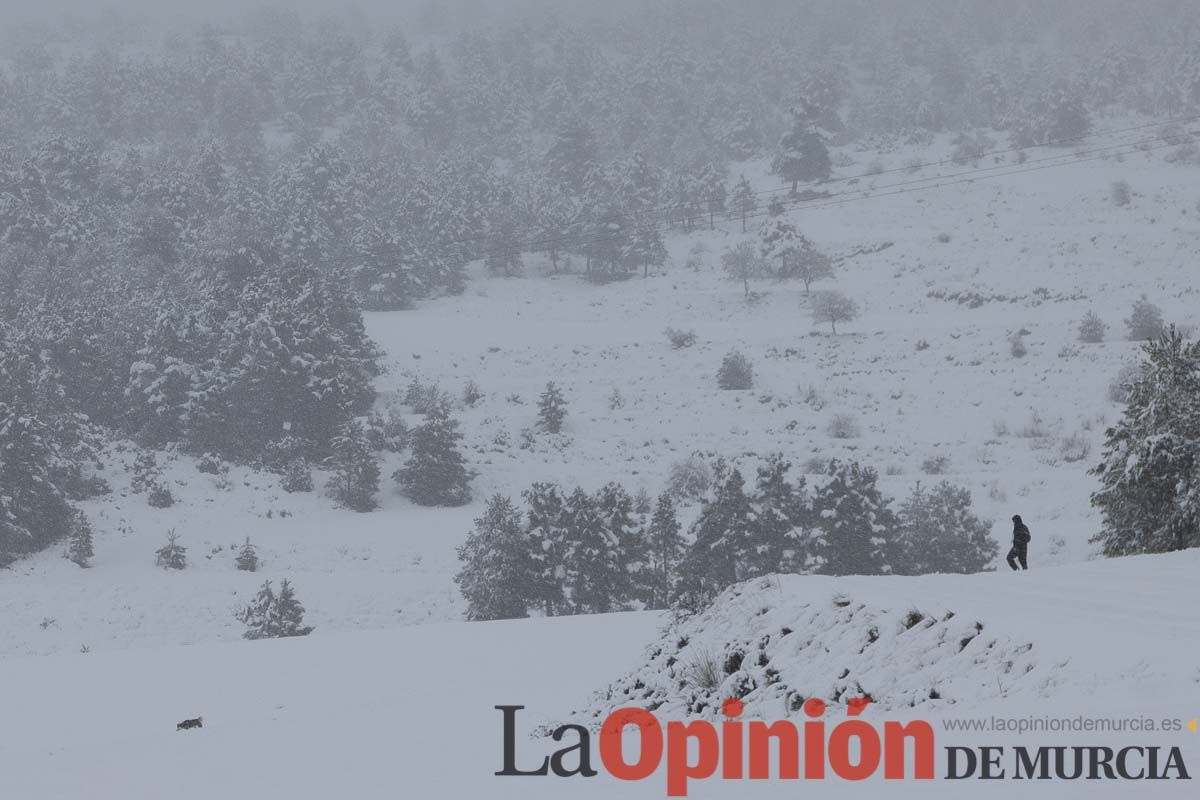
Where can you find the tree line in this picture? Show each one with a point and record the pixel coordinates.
(592, 552)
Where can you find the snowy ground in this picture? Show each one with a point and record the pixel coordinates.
(999, 422)
(409, 713)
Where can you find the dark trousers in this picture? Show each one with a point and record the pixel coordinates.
(1019, 553)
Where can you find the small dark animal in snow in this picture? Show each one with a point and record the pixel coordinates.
(188, 724)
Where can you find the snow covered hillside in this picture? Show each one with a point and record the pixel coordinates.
(927, 382)
(931, 645)
(409, 712)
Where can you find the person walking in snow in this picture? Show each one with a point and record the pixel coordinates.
(1020, 544)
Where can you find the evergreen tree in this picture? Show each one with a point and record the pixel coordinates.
(552, 409)
(1145, 322)
(855, 526)
(171, 555)
(616, 510)
(81, 549)
(939, 532)
(1150, 472)
(247, 558)
(593, 573)
(274, 616)
(33, 509)
(802, 155)
(781, 513)
(356, 471)
(499, 574)
(665, 547)
(435, 473)
(722, 539)
(546, 537)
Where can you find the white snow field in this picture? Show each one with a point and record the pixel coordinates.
(380, 703)
(409, 712)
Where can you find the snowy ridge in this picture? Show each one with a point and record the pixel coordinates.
(776, 641)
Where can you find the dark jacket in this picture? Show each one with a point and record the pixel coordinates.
(1021, 534)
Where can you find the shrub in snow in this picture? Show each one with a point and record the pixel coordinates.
(736, 372)
(274, 616)
(424, 398)
(552, 409)
(472, 394)
(615, 400)
(209, 464)
(1118, 390)
(680, 339)
(435, 473)
(1145, 322)
(1075, 447)
(833, 307)
(280, 452)
(936, 465)
(704, 672)
(160, 496)
(356, 471)
(387, 431)
(1121, 194)
(844, 426)
(81, 548)
(1148, 498)
(689, 479)
(297, 477)
(1016, 346)
(1092, 328)
(146, 473)
(172, 555)
(247, 558)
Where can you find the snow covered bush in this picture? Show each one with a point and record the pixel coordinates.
(471, 394)
(171, 555)
(680, 339)
(736, 372)
(1016, 346)
(274, 616)
(160, 496)
(690, 478)
(247, 557)
(552, 409)
(387, 431)
(936, 465)
(844, 426)
(1121, 194)
(297, 477)
(81, 548)
(1145, 321)
(1092, 328)
(1118, 389)
(1074, 447)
